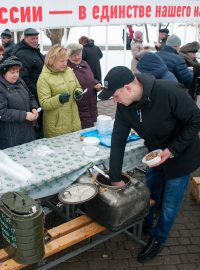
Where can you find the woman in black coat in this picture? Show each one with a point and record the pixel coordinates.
(18, 107)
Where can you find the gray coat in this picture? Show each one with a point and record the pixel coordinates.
(15, 101)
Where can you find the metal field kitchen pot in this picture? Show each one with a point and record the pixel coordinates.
(116, 207)
(22, 227)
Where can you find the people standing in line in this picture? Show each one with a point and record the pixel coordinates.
(163, 36)
(174, 62)
(165, 116)
(87, 106)
(188, 51)
(32, 63)
(57, 91)
(92, 55)
(1, 52)
(137, 49)
(151, 63)
(7, 43)
(18, 107)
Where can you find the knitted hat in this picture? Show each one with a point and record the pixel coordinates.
(31, 32)
(173, 41)
(116, 78)
(164, 30)
(190, 47)
(75, 48)
(138, 35)
(9, 62)
(6, 33)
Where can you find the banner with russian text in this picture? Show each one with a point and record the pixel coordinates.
(40, 14)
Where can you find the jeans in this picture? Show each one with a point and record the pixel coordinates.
(173, 195)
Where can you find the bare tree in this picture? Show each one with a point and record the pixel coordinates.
(19, 36)
(56, 35)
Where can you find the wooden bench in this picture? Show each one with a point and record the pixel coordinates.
(68, 234)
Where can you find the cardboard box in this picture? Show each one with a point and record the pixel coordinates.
(195, 188)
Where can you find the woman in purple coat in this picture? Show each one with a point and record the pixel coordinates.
(87, 105)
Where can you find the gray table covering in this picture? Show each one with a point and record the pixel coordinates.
(61, 164)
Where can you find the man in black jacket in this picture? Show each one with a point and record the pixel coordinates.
(32, 63)
(166, 117)
(7, 42)
(32, 60)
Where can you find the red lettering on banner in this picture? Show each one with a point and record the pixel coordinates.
(2, 19)
(82, 12)
(128, 11)
(95, 12)
(121, 12)
(196, 11)
(113, 12)
(20, 14)
(25, 14)
(13, 19)
(172, 11)
(37, 14)
(107, 13)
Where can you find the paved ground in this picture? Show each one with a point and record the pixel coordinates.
(182, 250)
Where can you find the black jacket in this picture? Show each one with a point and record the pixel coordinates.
(9, 47)
(165, 117)
(92, 55)
(176, 64)
(32, 64)
(15, 101)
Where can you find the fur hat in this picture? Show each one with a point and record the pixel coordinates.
(74, 48)
(173, 41)
(6, 33)
(6, 63)
(138, 35)
(190, 47)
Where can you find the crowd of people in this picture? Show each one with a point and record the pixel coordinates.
(63, 83)
(156, 97)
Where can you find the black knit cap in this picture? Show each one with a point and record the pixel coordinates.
(116, 78)
(11, 61)
(6, 33)
(31, 32)
(164, 30)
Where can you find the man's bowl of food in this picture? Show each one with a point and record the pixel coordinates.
(152, 158)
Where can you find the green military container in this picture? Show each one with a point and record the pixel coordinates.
(22, 227)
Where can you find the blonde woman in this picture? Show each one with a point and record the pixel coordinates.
(57, 86)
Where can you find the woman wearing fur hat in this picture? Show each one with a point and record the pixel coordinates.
(137, 49)
(88, 104)
(18, 107)
(189, 51)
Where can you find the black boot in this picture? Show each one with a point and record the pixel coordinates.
(149, 251)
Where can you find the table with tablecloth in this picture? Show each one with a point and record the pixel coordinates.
(61, 165)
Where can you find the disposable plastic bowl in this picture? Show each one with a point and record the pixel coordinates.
(153, 161)
(90, 151)
(91, 141)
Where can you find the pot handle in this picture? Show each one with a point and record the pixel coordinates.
(90, 169)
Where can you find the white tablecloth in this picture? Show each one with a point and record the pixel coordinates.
(60, 168)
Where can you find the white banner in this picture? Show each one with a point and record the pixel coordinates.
(40, 14)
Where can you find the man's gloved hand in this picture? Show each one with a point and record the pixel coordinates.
(78, 94)
(63, 98)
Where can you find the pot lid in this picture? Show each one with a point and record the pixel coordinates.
(78, 193)
(19, 203)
